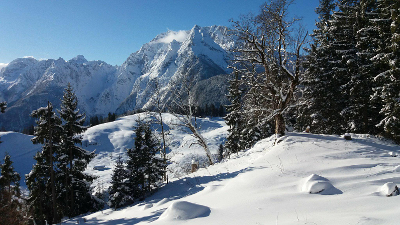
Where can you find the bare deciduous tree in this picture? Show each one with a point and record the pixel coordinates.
(160, 106)
(183, 106)
(268, 57)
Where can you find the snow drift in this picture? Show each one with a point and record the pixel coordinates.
(182, 210)
(315, 184)
(389, 189)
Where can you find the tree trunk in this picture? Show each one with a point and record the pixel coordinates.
(201, 141)
(72, 202)
(164, 147)
(53, 187)
(280, 125)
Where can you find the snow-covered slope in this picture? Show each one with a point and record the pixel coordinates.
(21, 150)
(271, 184)
(304, 179)
(27, 84)
(109, 140)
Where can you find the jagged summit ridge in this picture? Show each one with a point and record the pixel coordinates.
(28, 83)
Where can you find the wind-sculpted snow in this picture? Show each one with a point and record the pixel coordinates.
(27, 83)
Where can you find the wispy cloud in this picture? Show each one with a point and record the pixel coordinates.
(2, 65)
(179, 36)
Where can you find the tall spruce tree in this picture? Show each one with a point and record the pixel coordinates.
(320, 108)
(155, 165)
(344, 26)
(135, 164)
(340, 71)
(365, 109)
(388, 81)
(144, 169)
(119, 191)
(41, 181)
(11, 210)
(9, 178)
(361, 112)
(75, 191)
(234, 118)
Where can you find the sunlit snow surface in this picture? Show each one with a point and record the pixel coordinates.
(263, 185)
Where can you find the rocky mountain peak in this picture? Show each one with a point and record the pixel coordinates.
(79, 59)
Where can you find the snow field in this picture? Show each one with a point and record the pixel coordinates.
(267, 184)
(271, 184)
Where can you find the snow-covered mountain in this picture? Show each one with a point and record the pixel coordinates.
(27, 84)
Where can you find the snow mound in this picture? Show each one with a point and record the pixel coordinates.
(147, 206)
(162, 201)
(397, 169)
(182, 210)
(315, 184)
(389, 189)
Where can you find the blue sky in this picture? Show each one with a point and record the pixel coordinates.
(110, 30)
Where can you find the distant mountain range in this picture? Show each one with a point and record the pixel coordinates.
(202, 52)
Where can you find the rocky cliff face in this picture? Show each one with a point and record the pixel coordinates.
(27, 84)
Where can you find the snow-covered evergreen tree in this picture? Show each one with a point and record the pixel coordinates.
(389, 80)
(234, 118)
(144, 168)
(340, 71)
(365, 110)
(39, 198)
(11, 210)
(154, 166)
(135, 165)
(362, 113)
(41, 181)
(119, 191)
(344, 25)
(321, 105)
(9, 178)
(75, 191)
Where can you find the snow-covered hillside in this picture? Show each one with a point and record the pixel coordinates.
(271, 184)
(27, 84)
(303, 179)
(109, 140)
